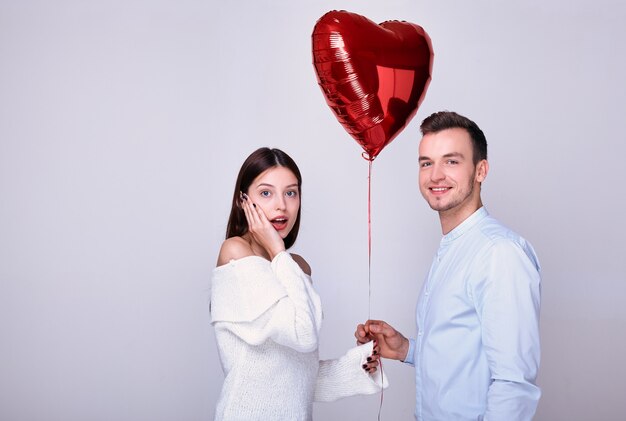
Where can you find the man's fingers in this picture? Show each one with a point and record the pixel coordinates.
(362, 334)
(380, 327)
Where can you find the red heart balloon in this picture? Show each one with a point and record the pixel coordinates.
(374, 77)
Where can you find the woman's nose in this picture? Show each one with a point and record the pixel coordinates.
(280, 203)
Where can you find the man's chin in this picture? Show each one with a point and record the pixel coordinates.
(438, 206)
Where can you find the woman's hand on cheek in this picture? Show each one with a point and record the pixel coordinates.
(261, 229)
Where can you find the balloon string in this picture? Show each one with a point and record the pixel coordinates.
(369, 240)
(382, 381)
(369, 273)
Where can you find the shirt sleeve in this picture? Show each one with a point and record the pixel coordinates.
(410, 357)
(345, 376)
(257, 301)
(507, 300)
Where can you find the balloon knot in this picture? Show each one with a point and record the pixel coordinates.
(366, 156)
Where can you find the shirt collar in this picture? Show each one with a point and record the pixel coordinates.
(466, 225)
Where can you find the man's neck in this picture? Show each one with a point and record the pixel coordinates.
(452, 218)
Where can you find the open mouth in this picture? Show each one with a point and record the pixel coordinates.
(279, 223)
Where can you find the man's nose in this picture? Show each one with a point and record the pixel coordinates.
(437, 173)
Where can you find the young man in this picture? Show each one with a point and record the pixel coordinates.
(476, 354)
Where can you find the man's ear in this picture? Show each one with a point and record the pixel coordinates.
(482, 168)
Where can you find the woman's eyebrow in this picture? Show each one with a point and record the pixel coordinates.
(271, 185)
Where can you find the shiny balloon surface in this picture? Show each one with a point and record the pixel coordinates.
(373, 76)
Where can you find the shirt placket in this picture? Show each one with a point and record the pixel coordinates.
(423, 307)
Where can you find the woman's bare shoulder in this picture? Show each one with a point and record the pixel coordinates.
(233, 248)
(302, 263)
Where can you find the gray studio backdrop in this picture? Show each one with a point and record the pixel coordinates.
(122, 127)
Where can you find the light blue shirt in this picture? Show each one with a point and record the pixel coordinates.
(477, 349)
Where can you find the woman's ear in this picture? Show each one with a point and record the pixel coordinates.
(240, 200)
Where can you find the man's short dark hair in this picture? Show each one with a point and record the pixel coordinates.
(443, 120)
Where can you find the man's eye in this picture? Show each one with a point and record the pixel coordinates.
(425, 164)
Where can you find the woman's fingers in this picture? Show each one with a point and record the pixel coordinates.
(254, 214)
(372, 364)
(373, 361)
(245, 204)
(260, 215)
(251, 212)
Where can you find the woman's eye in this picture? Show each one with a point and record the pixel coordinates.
(291, 194)
(265, 193)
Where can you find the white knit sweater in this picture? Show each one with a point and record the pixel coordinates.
(267, 318)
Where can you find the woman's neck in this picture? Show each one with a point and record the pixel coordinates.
(256, 248)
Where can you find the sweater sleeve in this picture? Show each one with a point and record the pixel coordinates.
(345, 376)
(257, 300)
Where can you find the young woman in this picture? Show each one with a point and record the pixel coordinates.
(266, 314)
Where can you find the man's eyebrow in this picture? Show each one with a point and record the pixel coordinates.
(454, 155)
(448, 155)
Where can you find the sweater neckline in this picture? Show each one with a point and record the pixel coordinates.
(234, 261)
